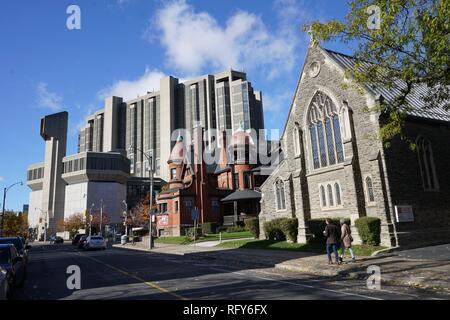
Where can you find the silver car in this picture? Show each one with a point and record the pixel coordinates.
(95, 242)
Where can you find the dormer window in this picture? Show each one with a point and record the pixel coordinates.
(173, 174)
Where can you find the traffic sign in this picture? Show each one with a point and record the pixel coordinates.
(195, 214)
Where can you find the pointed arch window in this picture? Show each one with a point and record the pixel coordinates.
(330, 195)
(337, 190)
(280, 196)
(323, 196)
(325, 132)
(426, 163)
(369, 189)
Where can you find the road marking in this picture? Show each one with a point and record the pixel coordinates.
(148, 283)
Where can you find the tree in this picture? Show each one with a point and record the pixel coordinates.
(73, 223)
(139, 214)
(15, 224)
(412, 43)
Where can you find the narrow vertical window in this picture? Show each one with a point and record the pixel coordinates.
(338, 140)
(330, 195)
(315, 151)
(323, 152)
(330, 142)
(426, 163)
(280, 196)
(337, 191)
(323, 196)
(369, 188)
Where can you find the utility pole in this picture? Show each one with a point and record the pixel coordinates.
(101, 217)
(151, 169)
(150, 229)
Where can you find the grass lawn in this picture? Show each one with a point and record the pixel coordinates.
(359, 250)
(209, 237)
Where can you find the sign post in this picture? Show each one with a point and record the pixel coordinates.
(195, 215)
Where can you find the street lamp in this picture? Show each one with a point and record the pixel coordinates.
(125, 215)
(5, 191)
(90, 218)
(151, 171)
(46, 222)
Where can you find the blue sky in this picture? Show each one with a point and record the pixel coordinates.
(123, 48)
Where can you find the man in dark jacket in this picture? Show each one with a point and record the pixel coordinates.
(331, 232)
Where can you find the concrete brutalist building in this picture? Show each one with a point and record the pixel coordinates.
(106, 170)
(335, 166)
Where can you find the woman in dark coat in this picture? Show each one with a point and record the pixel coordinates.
(331, 232)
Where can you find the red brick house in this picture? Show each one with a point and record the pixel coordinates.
(222, 193)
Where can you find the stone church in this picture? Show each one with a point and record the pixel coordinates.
(335, 166)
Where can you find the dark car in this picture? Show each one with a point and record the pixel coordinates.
(18, 243)
(56, 240)
(14, 266)
(82, 242)
(77, 238)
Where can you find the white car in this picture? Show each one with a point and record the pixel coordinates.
(95, 242)
(4, 285)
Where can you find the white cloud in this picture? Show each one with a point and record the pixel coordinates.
(1, 178)
(195, 40)
(48, 99)
(129, 89)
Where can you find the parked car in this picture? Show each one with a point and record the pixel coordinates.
(18, 243)
(4, 285)
(95, 242)
(56, 239)
(82, 241)
(77, 238)
(14, 266)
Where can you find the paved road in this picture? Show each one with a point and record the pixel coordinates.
(127, 274)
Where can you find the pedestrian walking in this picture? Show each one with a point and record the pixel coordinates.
(331, 232)
(346, 240)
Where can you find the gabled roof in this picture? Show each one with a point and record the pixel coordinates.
(245, 194)
(417, 107)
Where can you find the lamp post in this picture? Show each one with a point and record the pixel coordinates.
(151, 171)
(90, 218)
(45, 223)
(5, 191)
(101, 217)
(125, 216)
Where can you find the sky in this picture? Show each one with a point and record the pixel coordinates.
(125, 46)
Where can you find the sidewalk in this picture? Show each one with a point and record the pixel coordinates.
(395, 270)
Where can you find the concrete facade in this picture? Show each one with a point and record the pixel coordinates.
(394, 172)
(216, 102)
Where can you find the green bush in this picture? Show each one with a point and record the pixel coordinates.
(317, 226)
(221, 229)
(290, 228)
(252, 225)
(369, 229)
(274, 229)
(235, 229)
(209, 228)
(190, 232)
